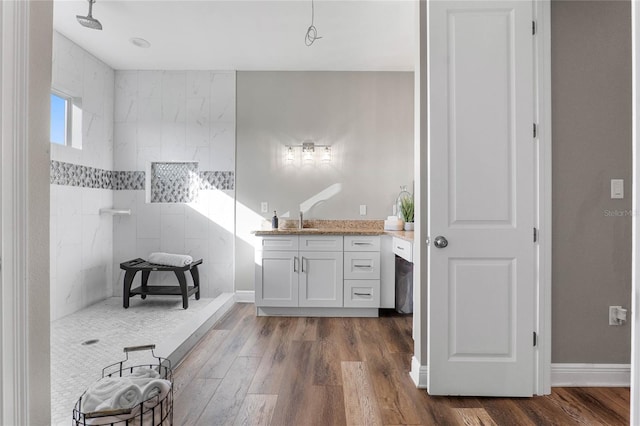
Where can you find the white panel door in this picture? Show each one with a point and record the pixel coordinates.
(277, 278)
(481, 199)
(321, 275)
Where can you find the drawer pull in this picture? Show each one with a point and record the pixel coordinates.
(400, 248)
(362, 294)
(362, 244)
(362, 266)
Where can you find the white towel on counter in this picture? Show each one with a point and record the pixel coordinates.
(170, 259)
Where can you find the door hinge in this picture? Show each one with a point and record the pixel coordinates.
(535, 339)
(535, 130)
(535, 235)
(533, 27)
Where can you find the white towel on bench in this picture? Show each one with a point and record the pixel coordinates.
(169, 259)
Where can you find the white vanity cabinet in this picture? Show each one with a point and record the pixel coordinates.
(318, 275)
(305, 271)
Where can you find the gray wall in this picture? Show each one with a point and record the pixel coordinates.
(591, 82)
(366, 117)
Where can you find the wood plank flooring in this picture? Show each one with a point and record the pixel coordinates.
(280, 371)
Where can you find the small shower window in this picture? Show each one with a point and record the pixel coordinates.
(66, 120)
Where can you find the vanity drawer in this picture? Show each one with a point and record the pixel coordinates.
(403, 248)
(362, 293)
(321, 242)
(362, 265)
(361, 243)
(278, 243)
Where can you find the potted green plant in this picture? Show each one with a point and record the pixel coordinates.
(406, 208)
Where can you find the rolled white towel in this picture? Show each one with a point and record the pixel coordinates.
(102, 391)
(144, 373)
(170, 259)
(156, 388)
(126, 397)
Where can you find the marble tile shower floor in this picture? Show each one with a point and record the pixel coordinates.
(75, 366)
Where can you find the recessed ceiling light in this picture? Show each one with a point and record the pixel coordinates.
(140, 42)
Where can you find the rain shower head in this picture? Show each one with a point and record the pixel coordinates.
(89, 21)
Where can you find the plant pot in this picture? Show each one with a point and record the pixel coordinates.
(408, 226)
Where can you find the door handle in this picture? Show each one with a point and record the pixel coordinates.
(302, 263)
(440, 242)
(295, 264)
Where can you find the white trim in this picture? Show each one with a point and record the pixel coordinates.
(14, 193)
(588, 375)
(419, 373)
(245, 296)
(635, 229)
(542, 49)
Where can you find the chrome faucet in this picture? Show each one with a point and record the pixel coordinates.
(300, 226)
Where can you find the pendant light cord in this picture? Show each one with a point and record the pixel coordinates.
(312, 32)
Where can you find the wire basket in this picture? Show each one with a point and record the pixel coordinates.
(155, 411)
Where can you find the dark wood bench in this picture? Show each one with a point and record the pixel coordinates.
(132, 267)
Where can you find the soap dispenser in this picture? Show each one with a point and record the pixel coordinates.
(274, 220)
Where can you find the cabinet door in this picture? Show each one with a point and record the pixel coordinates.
(277, 279)
(321, 276)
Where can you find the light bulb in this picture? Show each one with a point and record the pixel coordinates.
(326, 153)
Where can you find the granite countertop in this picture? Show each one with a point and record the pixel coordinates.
(320, 231)
(405, 235)
(334, 227)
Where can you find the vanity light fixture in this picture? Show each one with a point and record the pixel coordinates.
(326, 153)
(290, 154)
(308, 149)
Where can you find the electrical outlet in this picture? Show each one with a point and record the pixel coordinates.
(363, 209)
(264, 207)
(617, 315)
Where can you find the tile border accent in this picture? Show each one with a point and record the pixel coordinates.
(217, 180)
(69, 174)
(129, 181)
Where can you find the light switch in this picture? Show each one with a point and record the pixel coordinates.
(264, 207)
(617, 188)
(363, 209)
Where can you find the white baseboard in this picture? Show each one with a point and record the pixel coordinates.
(245, 296)
(585, 375)
(419, 373)
(582, 375)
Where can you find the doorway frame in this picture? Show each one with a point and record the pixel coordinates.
(542, 309)
(25, 80)
(635, 224)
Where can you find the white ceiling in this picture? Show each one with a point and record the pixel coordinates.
(361, 35)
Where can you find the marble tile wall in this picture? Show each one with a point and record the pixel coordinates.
(81, 239)
(177, 116)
